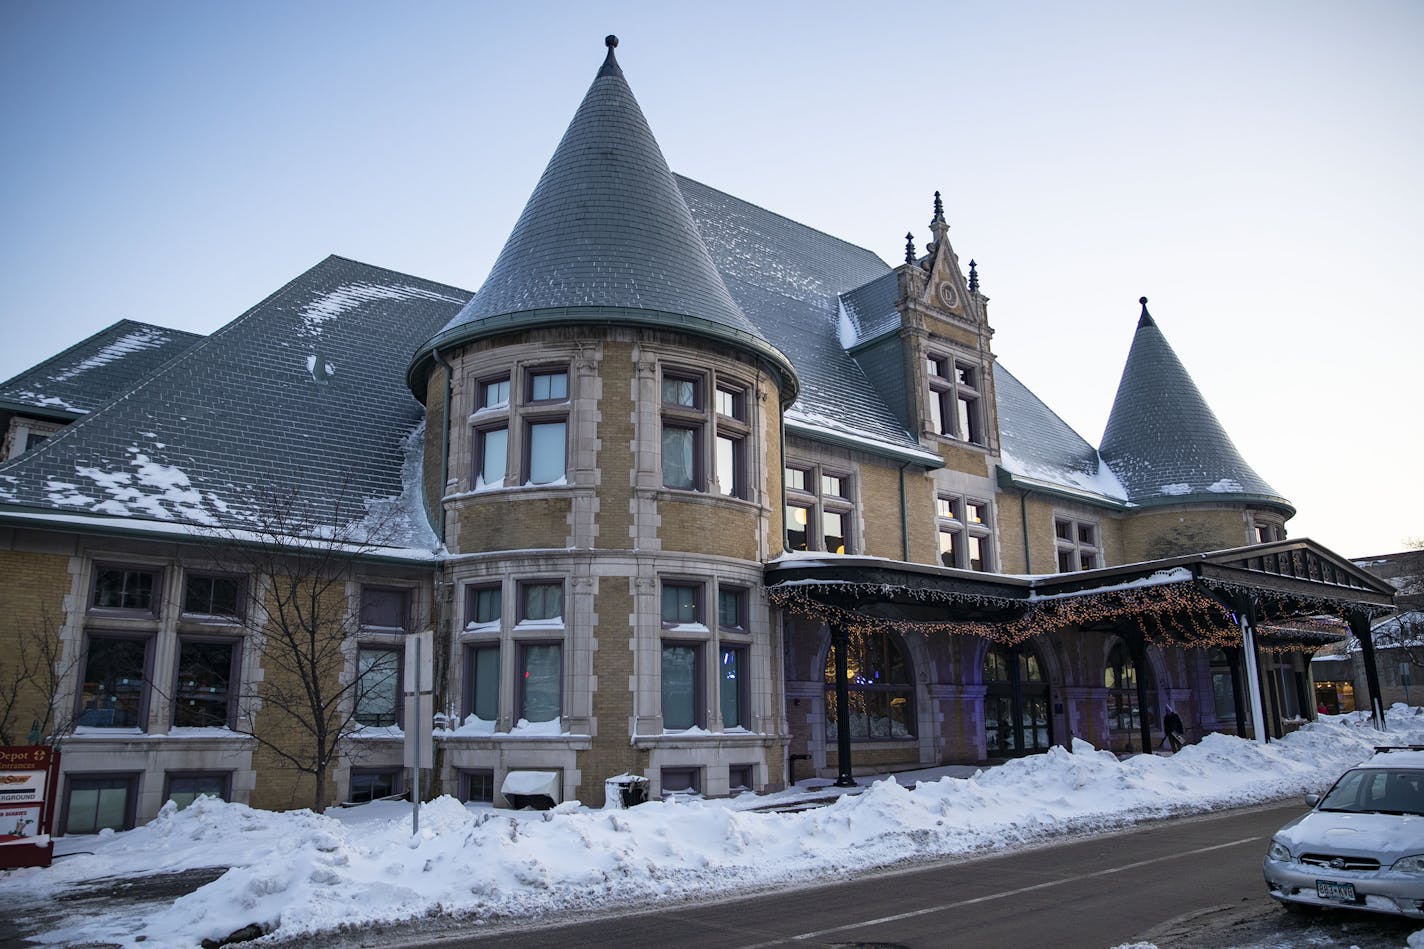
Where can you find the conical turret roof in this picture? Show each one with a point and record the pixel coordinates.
(1163, 441)
(606, 237)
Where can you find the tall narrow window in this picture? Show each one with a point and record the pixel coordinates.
(482, 606)
(731, 684)
(965, 532)
(1120, 677)
(377, 687)
(540, 682)
(204, 694)
(683, 420)
(484, 681)
(546, 422)
(681, 677)
(491, 456)
(547, 451)
(733, 433)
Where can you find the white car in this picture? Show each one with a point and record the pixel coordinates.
(1361, 846)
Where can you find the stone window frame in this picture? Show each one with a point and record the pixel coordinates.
(515, 415)
(534, 410)
(1069, 541)
(1265, 529)
(710, 637)
(359, 691)
(741, 777)
(713, 390)
(234, 676)
(956, 396)
(689, 777)
(376, 590)
(473, 779)
(395, 773)
(952, 521)
(812, 498)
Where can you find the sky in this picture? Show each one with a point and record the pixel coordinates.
(1251, 168)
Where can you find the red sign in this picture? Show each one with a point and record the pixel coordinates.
(29, 781)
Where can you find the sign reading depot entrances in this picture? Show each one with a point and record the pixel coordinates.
(29, 777)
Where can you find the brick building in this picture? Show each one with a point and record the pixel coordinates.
(686, 490)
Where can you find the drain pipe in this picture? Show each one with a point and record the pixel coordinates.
(1023, 514)
(444, 443)
(904, 517)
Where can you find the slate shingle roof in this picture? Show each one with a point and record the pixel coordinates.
(605, 229)
(300, 401)
(871, 307)
(787, 278)
(1037, 444)
(94, 370)
(1162, 439)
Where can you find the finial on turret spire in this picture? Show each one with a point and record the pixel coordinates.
(973, 277)
(610, 63)
(938, 209)
(1146, 318)
(909, 248)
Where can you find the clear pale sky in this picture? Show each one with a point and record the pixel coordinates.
(1254, 168)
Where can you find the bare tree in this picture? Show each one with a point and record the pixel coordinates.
(31, 679)
(303, 622)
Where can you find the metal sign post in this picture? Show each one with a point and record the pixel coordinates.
(419, 713)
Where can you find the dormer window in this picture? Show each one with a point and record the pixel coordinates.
(955, 409)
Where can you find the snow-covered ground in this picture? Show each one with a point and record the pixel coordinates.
(299, 872)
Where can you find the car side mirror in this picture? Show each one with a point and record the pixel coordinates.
(1312, 799)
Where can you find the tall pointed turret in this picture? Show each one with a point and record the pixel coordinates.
(607, 235)
(1163, 441)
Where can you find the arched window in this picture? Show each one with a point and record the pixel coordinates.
(881, 699)
(1015, 703)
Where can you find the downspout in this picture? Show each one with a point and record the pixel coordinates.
(904, 517)
(1023, 515)
(444, 440)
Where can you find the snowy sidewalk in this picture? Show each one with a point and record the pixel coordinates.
(295, 873)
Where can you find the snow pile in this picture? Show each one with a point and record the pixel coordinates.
(297, 872)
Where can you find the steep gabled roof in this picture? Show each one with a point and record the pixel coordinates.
(1162, 439)
(93, 371)
(1036, 445)
(787, 278)
(607, 237)
(299, 403)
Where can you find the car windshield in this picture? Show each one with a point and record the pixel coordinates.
(1377, 791)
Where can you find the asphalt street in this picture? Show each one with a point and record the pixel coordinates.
(1080, 894)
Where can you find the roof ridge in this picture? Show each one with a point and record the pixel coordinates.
(391, 270)
(90, 338)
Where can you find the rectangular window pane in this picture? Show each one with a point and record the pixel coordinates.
(730, 403)
(680, 604)
(964, 375)
(543, 601)
(1086, 535)
(118, 589)
(730, 684)
(113, 682)
(833, 532)
(372, 785)
(211, 596)
(730, 466)
(494, 456)
(935, 367)
(796, 518)
(976, 553)
(944, 507)
(977, 512)
(549, 387)
(1065, 561)
(796, 479)
(679, 457)
(729, 608)
(377, 685)
(479, 786)
(949, 548)
(679, 686)
(831, 486)
(494, 394)
(937, 420)
(968, 419)
(1088, 561)
(680, 392)
(185, 789)
(546, 452)
(484, 680)
(1063, 530)
(1221, 693)
(203, 688)
(385, 608)
(96, 804)
(483, 605)
(539, 674)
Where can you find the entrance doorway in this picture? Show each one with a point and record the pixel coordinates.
(1016, 719)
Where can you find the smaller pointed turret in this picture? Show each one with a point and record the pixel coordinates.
(1163, 441)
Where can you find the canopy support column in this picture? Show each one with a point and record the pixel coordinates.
(1247, 620)
(840, 643)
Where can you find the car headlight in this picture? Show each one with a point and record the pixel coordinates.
(1281, 853)
(1414, 864)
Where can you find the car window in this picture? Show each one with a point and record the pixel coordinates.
(1377, 790)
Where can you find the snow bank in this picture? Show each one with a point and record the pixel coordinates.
(298, 872)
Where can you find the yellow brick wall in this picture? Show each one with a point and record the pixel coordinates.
(1157, 533)
(612, 752)
(615, 453)
(31, 613)
(708, 527)
(497, 521)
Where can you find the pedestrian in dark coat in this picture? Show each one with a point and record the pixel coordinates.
(1172, 725)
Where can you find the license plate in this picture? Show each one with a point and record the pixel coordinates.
(1327, 890)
